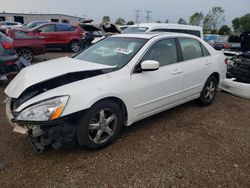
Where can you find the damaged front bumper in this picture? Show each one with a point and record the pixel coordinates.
(57, 134)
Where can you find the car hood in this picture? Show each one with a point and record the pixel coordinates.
(41, 72)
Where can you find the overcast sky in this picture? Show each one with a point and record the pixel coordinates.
(96, 9)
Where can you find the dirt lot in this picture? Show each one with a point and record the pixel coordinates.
(188, 146)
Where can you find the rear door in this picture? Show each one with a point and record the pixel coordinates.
(65, 33)
(196, 66)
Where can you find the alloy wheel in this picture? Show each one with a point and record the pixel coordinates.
(102, 126)
(210, 90)
(75, 46)
(26, 54)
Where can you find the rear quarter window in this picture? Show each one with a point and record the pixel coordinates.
(61, 27)
(191, 48)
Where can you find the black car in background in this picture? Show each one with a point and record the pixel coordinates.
(245, 41)
(9, 60)
(8, 56)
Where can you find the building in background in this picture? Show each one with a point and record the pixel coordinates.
(25, 18)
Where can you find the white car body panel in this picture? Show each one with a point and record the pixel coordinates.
(236, 88)
(40, 72)
(144, 94)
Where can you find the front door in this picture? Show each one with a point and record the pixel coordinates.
(155, 91)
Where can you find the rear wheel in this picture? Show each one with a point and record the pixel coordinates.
(100, 125)
(26, 53)
(209, 91)
(74, 46)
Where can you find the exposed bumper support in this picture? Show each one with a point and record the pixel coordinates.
(41, 135)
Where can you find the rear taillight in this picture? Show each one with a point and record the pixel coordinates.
(9, 63)
(226, 61)
(7, 45)
(226, 46)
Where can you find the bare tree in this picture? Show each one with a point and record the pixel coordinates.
(214, 19)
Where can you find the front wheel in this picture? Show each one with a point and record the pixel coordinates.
(209, 91)
(100, 125)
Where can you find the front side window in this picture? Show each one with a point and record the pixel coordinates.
(113, 51)
(163, 51)
(191, 48)
(47, 28)
(21, 35)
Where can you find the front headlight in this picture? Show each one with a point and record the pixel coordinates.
(50, 109)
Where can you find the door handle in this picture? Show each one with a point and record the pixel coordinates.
(177, 72)
(208, 63)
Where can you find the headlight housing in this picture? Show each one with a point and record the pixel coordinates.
(50, 109)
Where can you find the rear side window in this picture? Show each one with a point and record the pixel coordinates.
(191, 48)
(47, 28)
(21, 35)
(163, 51)
(64, 27)
(204, 50)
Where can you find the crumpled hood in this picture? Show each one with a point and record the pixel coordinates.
(47, 70)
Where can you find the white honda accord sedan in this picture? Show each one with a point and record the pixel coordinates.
(118, 81)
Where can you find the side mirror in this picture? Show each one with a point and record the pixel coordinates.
(37, 31)
(150, 65)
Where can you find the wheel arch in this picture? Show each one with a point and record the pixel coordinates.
(217, 76)
(25, 47)
(118, 101)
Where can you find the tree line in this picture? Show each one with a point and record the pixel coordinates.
(212, 22)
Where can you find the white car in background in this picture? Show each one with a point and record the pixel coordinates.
(9, 25)
(115, 82)
(165, 27)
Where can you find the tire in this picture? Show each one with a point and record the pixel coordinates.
(74, 46)
(26, 53)
(100, 126)
(209, 91)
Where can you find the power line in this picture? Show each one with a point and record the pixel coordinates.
(137, 16)
(148, 12)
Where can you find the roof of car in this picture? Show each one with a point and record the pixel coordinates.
(162, 25)
(153, 34)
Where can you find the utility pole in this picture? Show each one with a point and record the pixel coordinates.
(148, 12)
(137, 16)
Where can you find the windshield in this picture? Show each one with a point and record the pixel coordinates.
(113, 51)
(135, 29)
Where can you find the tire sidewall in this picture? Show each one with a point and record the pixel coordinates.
(71, 45)
(83, 123)
(202, 100)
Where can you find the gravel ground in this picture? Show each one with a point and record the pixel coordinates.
(188, 146)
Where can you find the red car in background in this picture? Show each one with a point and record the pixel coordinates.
(26, 45)
(60, 35)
